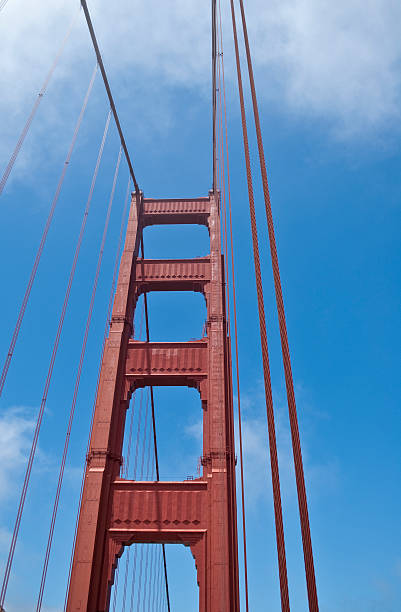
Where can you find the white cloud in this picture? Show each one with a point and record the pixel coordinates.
(338, 62)
(341, 59)
(17, 425)
(16, 429)
(5, 538)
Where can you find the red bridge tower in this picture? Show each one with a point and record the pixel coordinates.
(200, 513)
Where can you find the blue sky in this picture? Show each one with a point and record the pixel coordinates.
(329, 82)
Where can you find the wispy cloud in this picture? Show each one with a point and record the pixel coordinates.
(17, 425)
(195, 430)
(5, 538)
(320, 475)
(16, 429)
(338, 62)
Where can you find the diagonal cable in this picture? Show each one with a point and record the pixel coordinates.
(43, 239)
(50, 371)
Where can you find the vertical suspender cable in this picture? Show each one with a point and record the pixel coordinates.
(235, 323)
(149, 473)
(35, 107)
(285, 605)
(154, 434)
(152, 577)
(113, 284)
(129, 446)
(50, 371)
(127, 555)
(157, 572)
(296, 444)
(115, 589)
(139, 591)
(126, 475)
(142, 477)
(159, 580)
(162, 595)
(43, 239)
(133, 579)
(135, 470)
(151, 585)
(76, 388)
(151, 554)
(134, 477)
(224, 215)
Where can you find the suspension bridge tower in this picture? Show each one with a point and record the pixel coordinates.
(199, 513)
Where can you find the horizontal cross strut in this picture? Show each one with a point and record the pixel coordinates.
(161, 212)
(172, 274)
(167, 363)
(159, 511)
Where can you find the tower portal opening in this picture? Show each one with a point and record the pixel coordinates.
(174, 316)
(176, 241)
(178, 416)
(139, 582)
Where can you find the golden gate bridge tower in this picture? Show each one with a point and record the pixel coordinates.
(116, 512)
(200, 513)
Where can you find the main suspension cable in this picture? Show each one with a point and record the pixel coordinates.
(43, 239)
(285, 605)
(108, 91)
(296, 444)
(50, 371)
(35, 107)
(76, 387)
